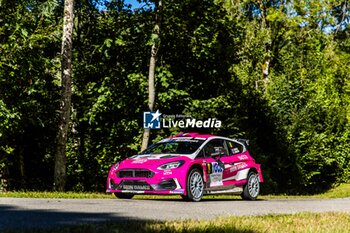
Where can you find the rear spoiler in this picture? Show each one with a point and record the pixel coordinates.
(245, 142)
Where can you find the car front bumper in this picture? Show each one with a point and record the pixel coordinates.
(162, 182)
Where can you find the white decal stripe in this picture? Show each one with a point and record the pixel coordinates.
(200, 138)
(241, 175)
(132, 191)
(230, 178)
(236, 190)
(178, 186)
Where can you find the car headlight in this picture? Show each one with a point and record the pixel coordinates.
(171, 165)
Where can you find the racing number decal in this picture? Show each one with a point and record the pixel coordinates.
(209, 168)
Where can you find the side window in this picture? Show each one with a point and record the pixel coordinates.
(201, 154)
(212, 147)
(234, 148)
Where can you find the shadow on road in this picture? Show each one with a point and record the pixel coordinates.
(13, 219)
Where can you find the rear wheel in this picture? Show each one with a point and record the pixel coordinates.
(194, 186)
(252, 188)
(124, 195)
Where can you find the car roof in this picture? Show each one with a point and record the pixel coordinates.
(194, 135)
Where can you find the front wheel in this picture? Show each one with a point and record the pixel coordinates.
(124, 195)
(194, 186)
(252, 188)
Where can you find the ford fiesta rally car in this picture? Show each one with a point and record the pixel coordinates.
(190, 165)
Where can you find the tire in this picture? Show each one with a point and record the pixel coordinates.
(124, 195)
(194, 186)
(252, 188)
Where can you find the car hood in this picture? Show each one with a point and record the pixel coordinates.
(150, 160)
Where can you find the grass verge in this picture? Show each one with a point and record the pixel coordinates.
(340, 191)
(31, 194)
(302, 222)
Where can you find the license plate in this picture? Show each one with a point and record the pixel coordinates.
(136, 187)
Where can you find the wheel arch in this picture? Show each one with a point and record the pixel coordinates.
(191, 167)
(195, 165)
(253, 169)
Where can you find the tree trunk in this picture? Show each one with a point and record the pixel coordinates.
(66, 96)
(264, 25)
(151, 73)
(22, 178)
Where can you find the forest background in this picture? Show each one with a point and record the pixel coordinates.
(276, 72)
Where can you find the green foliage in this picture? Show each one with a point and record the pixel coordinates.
(307, 98)
(27, 89)
(7, 121)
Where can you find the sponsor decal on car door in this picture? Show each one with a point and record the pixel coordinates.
(215, 171)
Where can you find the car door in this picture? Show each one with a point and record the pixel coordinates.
(229, 159)
(234, 162)
(216, 155)
(225, 158)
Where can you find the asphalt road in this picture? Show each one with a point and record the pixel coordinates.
(24, 213)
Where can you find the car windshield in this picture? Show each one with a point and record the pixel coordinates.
(174, 146)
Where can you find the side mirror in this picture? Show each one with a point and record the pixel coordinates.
(218, 151)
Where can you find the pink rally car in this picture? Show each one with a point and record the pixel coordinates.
(190, 165)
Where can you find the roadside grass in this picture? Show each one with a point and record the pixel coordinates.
(74, 195)
(302, 222)
(341, 191)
